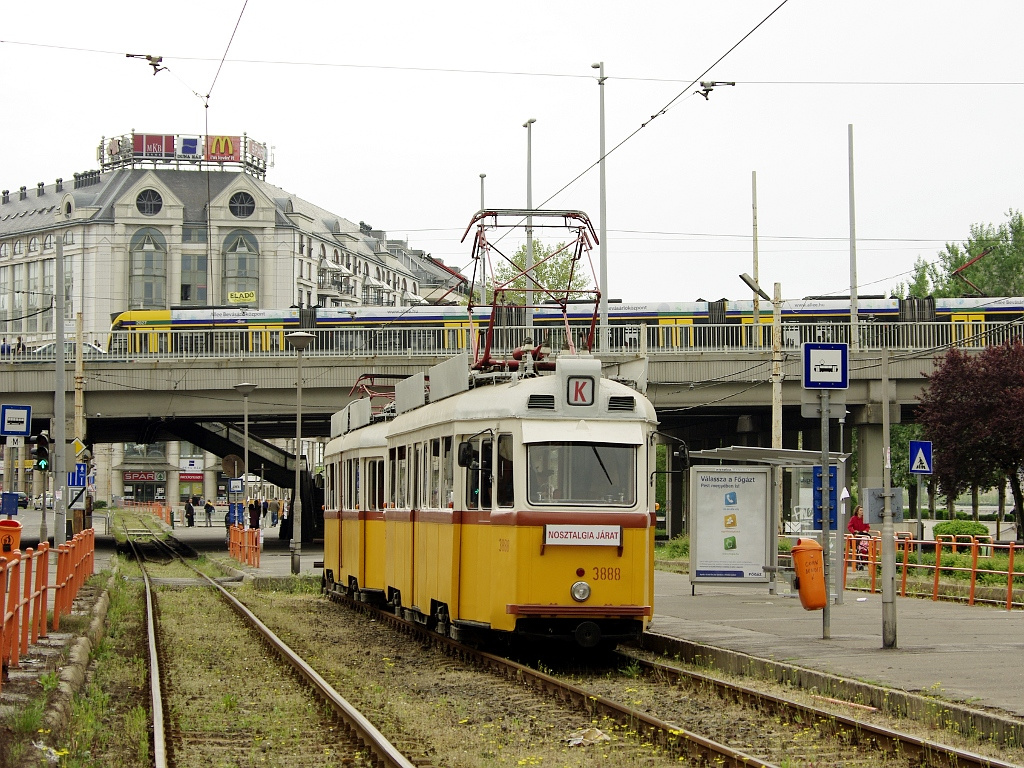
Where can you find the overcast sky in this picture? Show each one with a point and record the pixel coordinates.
(388, 112)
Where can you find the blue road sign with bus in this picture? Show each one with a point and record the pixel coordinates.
(920, 457)
(826, 366)
(16, 420)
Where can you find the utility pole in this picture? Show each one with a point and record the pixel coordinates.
(888, 534)
(60, 475)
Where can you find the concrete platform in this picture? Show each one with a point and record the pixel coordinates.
(948, 650)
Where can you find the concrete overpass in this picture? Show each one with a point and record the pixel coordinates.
(709, 398)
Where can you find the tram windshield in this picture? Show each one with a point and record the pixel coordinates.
(582, 473)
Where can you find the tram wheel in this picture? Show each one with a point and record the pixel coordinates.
(443, 620)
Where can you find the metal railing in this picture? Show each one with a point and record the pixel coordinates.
(640, 339)
(937, 569)
(24, 581)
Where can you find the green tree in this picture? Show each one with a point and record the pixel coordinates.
(554, 269)
(973, 412)
(998, 273)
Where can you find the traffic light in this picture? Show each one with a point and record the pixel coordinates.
(42, 453)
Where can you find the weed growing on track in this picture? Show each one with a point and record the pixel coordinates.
(110, 716)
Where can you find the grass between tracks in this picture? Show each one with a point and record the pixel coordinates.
(110, 715)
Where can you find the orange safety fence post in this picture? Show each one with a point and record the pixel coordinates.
(906, 565)
(60, 586)
(11, 613)
(873, 552)
(25, 604)
(3, 619)
(974, 570)
(72, 581)
(1009, 577)
(938, 560)
(42, 586)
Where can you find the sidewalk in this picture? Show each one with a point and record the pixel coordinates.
(949, 650)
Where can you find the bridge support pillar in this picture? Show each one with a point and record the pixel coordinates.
(871, 444)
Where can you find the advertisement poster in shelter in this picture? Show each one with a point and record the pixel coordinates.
(729, 519)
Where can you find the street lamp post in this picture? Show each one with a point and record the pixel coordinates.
(483, 262)
(528, 125)
(245, 389)
(603, 277)
(300, 340)
(776, 388)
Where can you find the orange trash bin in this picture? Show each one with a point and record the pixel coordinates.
(809, 564)
(10, 536)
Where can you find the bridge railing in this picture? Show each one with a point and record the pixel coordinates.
(641, 338)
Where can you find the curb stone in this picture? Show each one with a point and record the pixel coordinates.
(72, 678)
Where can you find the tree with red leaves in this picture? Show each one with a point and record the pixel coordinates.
(973, 412)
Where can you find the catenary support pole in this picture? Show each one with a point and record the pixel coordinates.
(888, 534)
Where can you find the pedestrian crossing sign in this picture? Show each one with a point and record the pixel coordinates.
(920, 457)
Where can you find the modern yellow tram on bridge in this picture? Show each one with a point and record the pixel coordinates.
(519, 504)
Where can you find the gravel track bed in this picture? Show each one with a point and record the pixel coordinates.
(745, 727)
(436, 710)
(228, 699)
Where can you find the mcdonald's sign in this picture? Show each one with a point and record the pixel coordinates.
(223, 149)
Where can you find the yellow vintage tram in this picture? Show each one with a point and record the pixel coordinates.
(518, 504)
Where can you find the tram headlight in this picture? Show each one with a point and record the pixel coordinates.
(580, 591)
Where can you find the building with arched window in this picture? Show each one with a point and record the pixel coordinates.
(143, 233)
(188, 221)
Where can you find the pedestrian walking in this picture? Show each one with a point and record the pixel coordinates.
(5, 348)
(19, 347)
(254, 515)
(190, 514)
(208, 508)
(275, 510)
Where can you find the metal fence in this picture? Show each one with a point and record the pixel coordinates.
(642, 339)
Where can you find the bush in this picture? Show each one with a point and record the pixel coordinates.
(99, 504)
(960, 528)
(676, 549)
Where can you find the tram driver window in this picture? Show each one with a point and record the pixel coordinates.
(503, 475)
(478, 473)
(601, 474)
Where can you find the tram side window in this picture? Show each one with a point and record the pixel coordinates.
(375, 484)
(399, 477)
(347, 491)
(357, 497)
(478, 475)
(503, 476)
(415, 500)
(331, 492)
(433, 472)
(447, 472)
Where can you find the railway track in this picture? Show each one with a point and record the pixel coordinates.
(710, 721)
(683, 714)
(227, 688)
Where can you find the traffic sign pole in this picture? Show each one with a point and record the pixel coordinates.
(920, 465)
(826, 367)
(826, 520)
